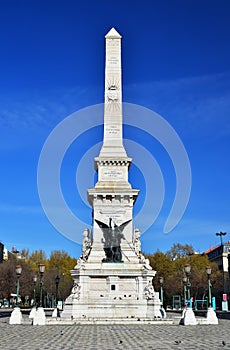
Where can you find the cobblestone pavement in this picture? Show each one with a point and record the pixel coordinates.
(113, 337)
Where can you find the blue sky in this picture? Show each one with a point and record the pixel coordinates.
(176, 62)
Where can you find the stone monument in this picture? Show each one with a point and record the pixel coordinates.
(112, 279)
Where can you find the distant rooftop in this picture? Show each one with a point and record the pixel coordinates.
(214, 248)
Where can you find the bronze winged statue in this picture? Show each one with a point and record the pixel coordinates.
(112, 240)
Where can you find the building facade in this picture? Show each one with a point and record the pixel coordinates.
(221, 255)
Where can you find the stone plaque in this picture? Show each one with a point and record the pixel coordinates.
(111, 174)
(113, 130)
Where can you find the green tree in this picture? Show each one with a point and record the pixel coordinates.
(35, 258)
(170, 266)
(59, 264)
(161, 263)
(163, 266)
(199, 288)
(25, 253)
(61, 261)
(7, 279)
(26, 280)
(179, 250)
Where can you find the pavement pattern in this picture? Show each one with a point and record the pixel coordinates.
(113, 337)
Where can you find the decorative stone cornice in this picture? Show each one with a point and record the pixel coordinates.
(99, 161)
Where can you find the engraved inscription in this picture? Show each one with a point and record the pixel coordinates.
(111, 174)
(112, 42)
(113, 60)
(112, 130)
(113, 53)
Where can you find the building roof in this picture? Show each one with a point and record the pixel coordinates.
(211, 249)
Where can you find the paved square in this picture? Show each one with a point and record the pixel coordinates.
(113, 337)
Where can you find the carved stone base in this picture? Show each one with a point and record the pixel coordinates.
(154, 307)
(32, 312)
(39, 317)
(112, 291)
(163, 312)
(211, 316)
(56, 312)
(16, 316)
(188, 317)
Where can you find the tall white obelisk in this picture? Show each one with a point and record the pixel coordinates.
(112, 198)
(113, 140)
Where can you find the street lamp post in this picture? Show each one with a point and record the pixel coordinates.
(185, 289)
(161, 280)
(35, 280)
(209, 271)
(41, 270)
(211, 315)
(221, 234)
(188, 316)
(187, 270)
(18, 273)
(57, 280)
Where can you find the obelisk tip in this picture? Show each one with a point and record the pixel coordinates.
(113, 34)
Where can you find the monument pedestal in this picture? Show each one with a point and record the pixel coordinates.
(112, 290)
(154, 307)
